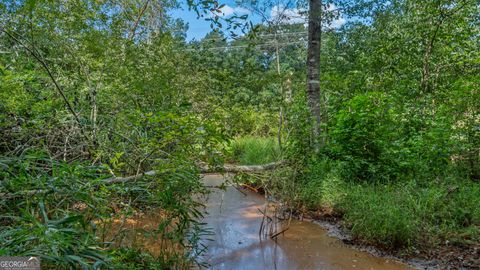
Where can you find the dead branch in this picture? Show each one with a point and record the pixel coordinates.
(278, 233)
(135, 25)
(116, 180)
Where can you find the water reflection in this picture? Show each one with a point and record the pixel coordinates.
(235, 220)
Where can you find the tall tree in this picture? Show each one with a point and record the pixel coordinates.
(313, 68)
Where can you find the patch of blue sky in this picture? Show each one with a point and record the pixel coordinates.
(199, 27)
(279, 13)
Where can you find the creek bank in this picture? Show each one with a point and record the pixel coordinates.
(442, 257)
(334, 228)
(331, 222)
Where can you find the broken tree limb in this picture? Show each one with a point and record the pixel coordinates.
(116, 180)
(230, 168)
(278, 233)
(227, 168)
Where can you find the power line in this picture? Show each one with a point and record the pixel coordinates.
(245, 46)
(302, 33)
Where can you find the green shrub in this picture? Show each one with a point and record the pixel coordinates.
(240, 120)
(363, 132)
(378, 142)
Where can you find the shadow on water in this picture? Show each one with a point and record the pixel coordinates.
(235, 219)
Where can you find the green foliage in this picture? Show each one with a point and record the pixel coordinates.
(62, 243)
(407, 214)
(320, 186)
(250, 150)
(363, 135)
(135, 113)
(45, 223)
(58, 211)
(297, 144)
(400, 112)
(414, 215)
(378, 142)
(245, 121)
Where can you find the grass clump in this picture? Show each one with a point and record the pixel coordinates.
(321, 187)
(414, 215)
(250, 150)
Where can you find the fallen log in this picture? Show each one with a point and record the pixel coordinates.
(227, 168)
(230, 168)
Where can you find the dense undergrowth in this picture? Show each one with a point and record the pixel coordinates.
(411, 214)
(82, 101)
(395, 186)
(63, 213)
(404, 184)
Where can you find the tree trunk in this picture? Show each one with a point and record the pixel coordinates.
(280, 113)
(313, 69)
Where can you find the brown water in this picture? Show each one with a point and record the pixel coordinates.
(235, 220)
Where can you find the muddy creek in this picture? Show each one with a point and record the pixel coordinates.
(235, 220)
